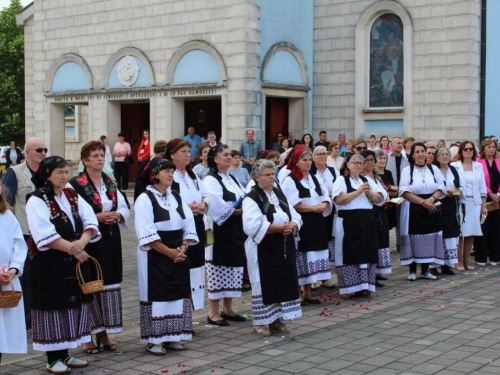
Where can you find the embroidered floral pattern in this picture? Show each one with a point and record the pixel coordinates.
(91, 191)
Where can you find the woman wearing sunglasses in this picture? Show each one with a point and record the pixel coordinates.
(474, 194)
(359, 145)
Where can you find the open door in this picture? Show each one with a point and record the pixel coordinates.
(276, 119)
(135, 118)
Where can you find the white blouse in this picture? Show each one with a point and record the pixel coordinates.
(423, 181)
(219, 209)
(42, 229)
(147, 229)
(187, 187)
(361, 201)
(292, 194)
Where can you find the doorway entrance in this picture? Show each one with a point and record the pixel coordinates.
(276, 119)
(204, 116)
(134, 119)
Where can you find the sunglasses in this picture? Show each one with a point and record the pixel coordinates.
(39, 149)
(359, 148)
(468, 149)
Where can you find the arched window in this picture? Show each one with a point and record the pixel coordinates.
(386, 62)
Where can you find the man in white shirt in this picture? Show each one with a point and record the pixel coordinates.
(212, 139)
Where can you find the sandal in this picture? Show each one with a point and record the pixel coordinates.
(177, 346)
(155, 349)
(109, 346)
(94, 350)
(262, 330)
(344, 296)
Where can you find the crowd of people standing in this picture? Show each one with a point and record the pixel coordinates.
(207, 217)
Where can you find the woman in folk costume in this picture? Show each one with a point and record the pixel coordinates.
(165, 228)
(453, 180)
(310, 199)
(193, 194)
(13, 252)
(100, 192)
(61, 225)
(356, 250)
(271, 225)
(327, 175)
(226, 257)
(380, 215)
(421, 228)
(286, 169)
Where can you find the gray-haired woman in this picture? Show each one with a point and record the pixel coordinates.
(226, 257)
(271, 224)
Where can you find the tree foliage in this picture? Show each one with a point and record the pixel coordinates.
(11, 76)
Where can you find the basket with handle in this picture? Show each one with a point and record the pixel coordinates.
(9, 299)
(91, 287)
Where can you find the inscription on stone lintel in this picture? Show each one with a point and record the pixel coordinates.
(134, 95)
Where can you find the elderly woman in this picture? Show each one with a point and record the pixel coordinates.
(421, 233)
(271, 224)
(334, 159)
(327, 175)
(202, 169)
(240, 173)
(310, 199)
(191, 190)
(101, 193)
(61, 225)
(450, 210)
(488, 246)
(356, 237)
(474, 194)
(226, 257)
(380, 215)
(12, 256)
(165, 228)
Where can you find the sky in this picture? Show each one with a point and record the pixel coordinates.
(5, 3)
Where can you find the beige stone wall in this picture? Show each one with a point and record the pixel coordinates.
(445, 61)
(95, 30)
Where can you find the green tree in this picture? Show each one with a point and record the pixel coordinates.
(11, 75)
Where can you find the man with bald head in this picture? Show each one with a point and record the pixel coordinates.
(18, 184)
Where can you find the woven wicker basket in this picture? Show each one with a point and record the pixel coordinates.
(9, 299)
(91, 287)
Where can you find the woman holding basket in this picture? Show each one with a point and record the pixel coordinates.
(61, 225)
(12, 256)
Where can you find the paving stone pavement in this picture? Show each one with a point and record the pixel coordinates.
(445, 327)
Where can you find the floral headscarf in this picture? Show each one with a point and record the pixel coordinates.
(292, 165)
(155, 169)
(41, 176)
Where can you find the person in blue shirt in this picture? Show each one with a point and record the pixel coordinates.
(249, 150)
(195, 140)
(342, 143)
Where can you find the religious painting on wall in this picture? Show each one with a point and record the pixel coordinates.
(386, 62)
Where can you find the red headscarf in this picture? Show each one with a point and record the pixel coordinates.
(290, 154)
(292, 165)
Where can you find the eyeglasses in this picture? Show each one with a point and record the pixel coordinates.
(359, 148)
(321, 154)
(468, 149)
(39, 149)
(369, 161)
(336, 148)
(356, 163)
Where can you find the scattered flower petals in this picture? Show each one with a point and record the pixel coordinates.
(164, 371)
(97, 359)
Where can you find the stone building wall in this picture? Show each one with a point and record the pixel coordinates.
(445, 82)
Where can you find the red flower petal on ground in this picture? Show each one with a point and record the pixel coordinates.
(164, 371)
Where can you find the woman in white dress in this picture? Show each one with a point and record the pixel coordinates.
(165, 228)
(61, 224)
(310, 199)
(327, 175)
(224, 259)
(189, 186)
(271, 225)
(356, 251)
(421, 228)
(474, 193)
(13, 252)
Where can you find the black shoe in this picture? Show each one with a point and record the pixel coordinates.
(220, 323)
(380, 277)
(235, 318)
(434, 271)
(445, 270)
(379, 285)
(312, 301)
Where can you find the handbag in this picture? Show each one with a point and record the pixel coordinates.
(91, 287)
(210, 237)
(128, 160)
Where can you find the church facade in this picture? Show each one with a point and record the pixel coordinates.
(408, 67)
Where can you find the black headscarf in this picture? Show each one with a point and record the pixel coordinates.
(154, 167)
(211, 156)
(41, 176)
